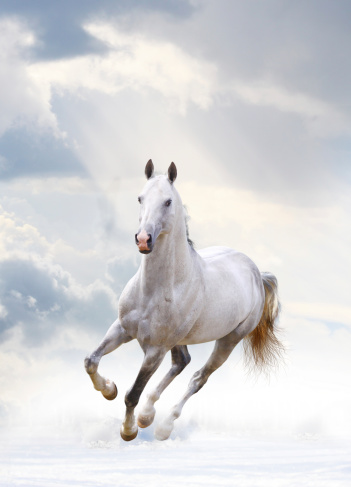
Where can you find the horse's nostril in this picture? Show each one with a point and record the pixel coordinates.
(144, 241)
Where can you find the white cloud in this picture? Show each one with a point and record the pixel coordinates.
(163, 75)
(322, 119)
(3, 311)
(36, 290)
(49, 185)
(20, 238)
(22, 100)
(136, 63)
(73, 238)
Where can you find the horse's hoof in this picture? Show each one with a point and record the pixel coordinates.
(129, 437)
(111, 395)
(163, 432)
(144, 421)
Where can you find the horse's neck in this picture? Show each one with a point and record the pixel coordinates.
(170, 262)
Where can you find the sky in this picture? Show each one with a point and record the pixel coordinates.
(251, 100)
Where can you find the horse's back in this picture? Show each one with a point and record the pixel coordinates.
(221, 253)
(224, 260)
(209, 253)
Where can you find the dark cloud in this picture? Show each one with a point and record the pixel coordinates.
(59, 24)
(24, 152)
(303, 46)
(41, 298)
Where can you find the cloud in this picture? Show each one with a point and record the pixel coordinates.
(263, 132)
(321, 118)
(44, 91)
(333, 315)
(37, 294)
(3, 312)
(40, 298)
(25, 152)
(51, 21)
(22, 100)
(299, 46)
(66, 221)
(133, 62)
(15, 236)
(279, 122)
(120, 271)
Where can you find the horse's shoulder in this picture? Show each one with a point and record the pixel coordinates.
(127, 295)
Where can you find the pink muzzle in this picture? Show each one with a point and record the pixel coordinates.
(142, 240)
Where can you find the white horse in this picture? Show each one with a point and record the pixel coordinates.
(180, 297)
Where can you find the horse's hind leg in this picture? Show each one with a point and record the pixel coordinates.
(114, 337)
(180, 359)
(221, 352)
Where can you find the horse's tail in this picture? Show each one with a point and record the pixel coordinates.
(262, 348)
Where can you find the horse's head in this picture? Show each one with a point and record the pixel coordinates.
(157, 207)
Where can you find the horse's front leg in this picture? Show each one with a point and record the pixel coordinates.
(114, 337)
(152, 360)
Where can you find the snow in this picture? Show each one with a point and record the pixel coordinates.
(199, 460)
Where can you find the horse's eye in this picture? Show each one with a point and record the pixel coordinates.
(139, 199)
(168, 202)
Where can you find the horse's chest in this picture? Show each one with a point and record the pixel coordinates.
(161, 318)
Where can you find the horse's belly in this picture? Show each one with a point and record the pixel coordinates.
(214, 323)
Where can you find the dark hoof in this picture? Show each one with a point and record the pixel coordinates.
(112, 395)
(128, 437)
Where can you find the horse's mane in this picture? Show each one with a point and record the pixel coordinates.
(186, 219)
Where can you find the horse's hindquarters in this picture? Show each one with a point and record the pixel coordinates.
(233, 292)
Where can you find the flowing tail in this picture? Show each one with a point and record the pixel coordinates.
(262, 348)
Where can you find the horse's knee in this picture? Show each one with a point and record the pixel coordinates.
(179, 367)
(131, 400)
(197, 382)
(90, 365)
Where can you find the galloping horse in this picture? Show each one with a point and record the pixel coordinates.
(180, 297)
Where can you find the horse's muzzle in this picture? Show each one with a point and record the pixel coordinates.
(144, 242)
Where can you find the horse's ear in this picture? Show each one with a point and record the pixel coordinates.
(149, 169)
(172, 173)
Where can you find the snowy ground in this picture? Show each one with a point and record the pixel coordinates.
(200, 460)
(240, 431)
